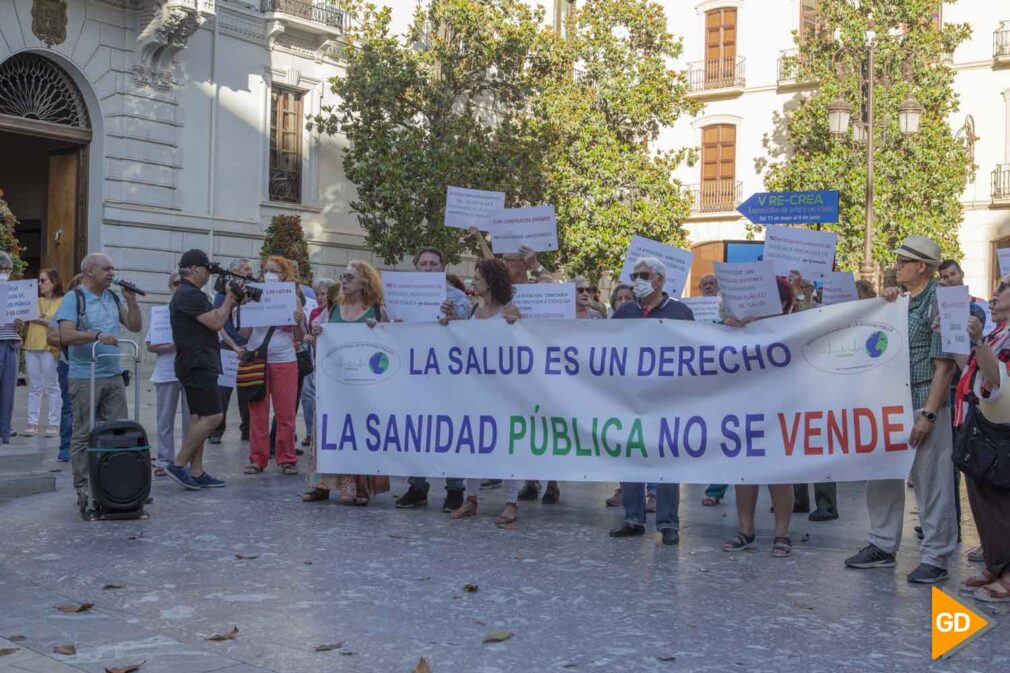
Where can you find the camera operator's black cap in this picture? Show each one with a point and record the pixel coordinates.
(194, 257)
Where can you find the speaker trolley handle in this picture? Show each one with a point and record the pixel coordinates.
(136, 381)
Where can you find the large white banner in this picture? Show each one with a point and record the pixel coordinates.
(815, 396)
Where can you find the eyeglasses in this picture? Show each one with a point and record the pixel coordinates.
(44, 280)
(582, 290)
(643, 275)
(174, 283)
(902, 262)
(346, 277)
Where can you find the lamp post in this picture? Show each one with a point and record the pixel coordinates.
(839, 118)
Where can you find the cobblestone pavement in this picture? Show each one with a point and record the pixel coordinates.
(389, 585)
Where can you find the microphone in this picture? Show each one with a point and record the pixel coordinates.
(127, 285)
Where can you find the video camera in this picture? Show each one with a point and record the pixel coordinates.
(236, 283)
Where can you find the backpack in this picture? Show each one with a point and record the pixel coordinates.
(54, 339)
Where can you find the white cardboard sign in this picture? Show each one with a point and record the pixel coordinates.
(749, 290)
(229, 368)
(21, 300)
(275, 309)
(535, 227)
(839, 287)
(953, 303)
(677, 261)
(705, 309)
(810, 252)
(545, 301)
(1004, 261)
(160, 329)
(414, 296)
(465, 208)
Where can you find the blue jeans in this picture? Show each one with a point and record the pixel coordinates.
(451, 484)
(667, 504)
(309, 403)
(66, 411)
(9, 352)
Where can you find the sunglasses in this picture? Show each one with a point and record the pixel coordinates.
(174, 283)
(582, 290)
(902, 262)
(346, 277)
(643, 275)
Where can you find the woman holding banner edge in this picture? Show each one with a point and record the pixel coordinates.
(491, 282)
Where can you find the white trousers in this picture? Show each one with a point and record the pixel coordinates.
(43, 380)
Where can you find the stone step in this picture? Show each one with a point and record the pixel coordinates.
(15, 484)
(22, 458)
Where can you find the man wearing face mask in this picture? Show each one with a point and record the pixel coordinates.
(648, 277)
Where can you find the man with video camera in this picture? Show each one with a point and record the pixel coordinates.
(195, 327)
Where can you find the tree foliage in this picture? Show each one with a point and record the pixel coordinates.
(483, 94)
(918, 179)
(286, 238)
(8, 238)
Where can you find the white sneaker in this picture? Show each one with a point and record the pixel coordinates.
(52, 431)
(29, 431)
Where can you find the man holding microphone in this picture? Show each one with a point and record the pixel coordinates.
(195, 327)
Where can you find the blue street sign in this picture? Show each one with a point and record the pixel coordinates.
(791, 207)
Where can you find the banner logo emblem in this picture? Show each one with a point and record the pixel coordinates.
(853, 349)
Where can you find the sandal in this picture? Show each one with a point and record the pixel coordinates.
(347, 492)
(710, 501)
(975, 555)
(252, 468)
(315, 495)
(616, 499)
(160, 472)
(739, 542)
(782, 547)
(506, 518)
(289, 469)
(361, 501)
(467, 509)
(989, 594)
(969, 586)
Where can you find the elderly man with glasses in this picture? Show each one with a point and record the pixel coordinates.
(648, 277)
(930, 374)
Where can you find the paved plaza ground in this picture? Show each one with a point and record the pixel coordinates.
(389, 585)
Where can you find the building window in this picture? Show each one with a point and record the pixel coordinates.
(563, 9)
(720, 47)
(808, 19)
(718, 168)
(285, 145)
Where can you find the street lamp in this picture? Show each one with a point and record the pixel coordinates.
(840, 118)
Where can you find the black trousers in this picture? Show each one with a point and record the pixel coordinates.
(243, 411)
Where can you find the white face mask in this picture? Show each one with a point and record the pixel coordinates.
(271, 277)
(4, 276)
(642, 288)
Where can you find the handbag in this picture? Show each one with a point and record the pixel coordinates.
(982, 450)
(251, 377)
(305, 364)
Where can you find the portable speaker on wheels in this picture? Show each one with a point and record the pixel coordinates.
(119, 458)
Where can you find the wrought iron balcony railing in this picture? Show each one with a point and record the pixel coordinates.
(716, 196)
(790, 66)
(316, 11)
(1001, 183)
(716, 73)
(1001, 42)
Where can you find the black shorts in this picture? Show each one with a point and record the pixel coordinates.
(202, 394)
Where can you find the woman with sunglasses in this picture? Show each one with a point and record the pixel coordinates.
(41, 358)
(583, 296)
(168, 391)
(492, 284)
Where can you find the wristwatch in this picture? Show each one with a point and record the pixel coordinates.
(928, 415)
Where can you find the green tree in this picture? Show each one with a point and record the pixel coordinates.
(285, 237)
(448, 104)
(8, 238)
(596, 126)
(918, 179)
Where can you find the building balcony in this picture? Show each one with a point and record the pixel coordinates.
(790, 66)
(308, 13)
(716, 196)
(1001, 44)
(716, 78)
(1001, 185)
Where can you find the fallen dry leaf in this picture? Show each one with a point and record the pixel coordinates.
(16, 639)
(330, 647)
(805, 538)
(4, 651)
(470, 588)
(129, 668)
(76, 607)
(424, 579)
(422, 666)
(803, 606)
(396, 537)
(247, 557)
(135, 536)
(68, 650)
(497, 637)
(113, 585)
(308, 563)
(347, 653)
(225, 636)
(666, 658)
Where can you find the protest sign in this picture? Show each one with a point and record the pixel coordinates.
(160, 329)
(953, 303)
(545, 301)
(1003, 254)
(749, 289)
(229, 368)
(414, 296)
(810, 252)
(535, 227)
(705, 309)
(815, 396)
(21, 300)
(164, 368)
(275, 309)
(465, 208)
(839, 287)
(677, 261)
